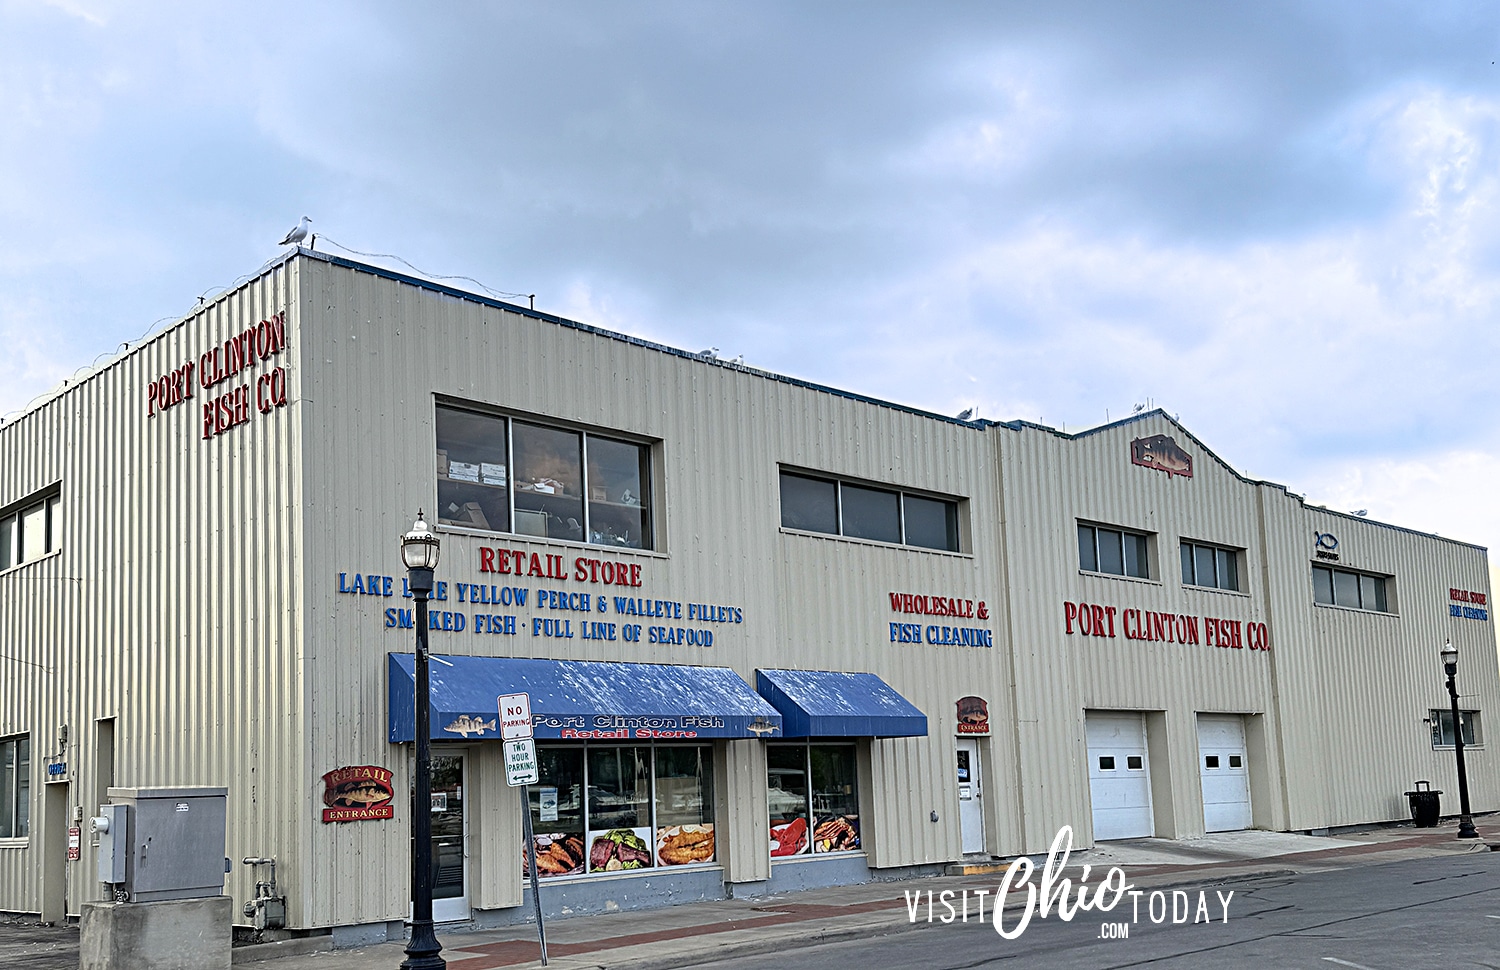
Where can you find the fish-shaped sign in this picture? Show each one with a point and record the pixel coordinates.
(1162, 453)
(761, 727)
(466, 724)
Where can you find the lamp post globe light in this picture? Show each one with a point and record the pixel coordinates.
(419, 551)
(1465, 820)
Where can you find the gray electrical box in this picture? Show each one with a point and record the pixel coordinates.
(113, 826)
(176, 842)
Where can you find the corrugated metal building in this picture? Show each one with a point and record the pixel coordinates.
(684, 560)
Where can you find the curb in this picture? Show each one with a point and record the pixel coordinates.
(259, 952)
(771, 943)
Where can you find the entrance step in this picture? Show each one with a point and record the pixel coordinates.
(978, 868)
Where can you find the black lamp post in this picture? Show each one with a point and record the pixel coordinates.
(419, 550)
(1465, 821)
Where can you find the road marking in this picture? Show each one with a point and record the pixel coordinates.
(1492, 917)
(1346, 963)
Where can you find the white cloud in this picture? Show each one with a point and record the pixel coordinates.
(1450, 493)
(82, 11)
(1045, 214)
(33, 363)
(1362, 332)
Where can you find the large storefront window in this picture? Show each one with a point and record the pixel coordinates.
(813, 797)
(503, 475)
(645, 806)
(619, 816)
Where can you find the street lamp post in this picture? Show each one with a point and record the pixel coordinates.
(1465, 821)
(419, 551)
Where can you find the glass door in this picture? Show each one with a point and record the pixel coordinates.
(450, 840)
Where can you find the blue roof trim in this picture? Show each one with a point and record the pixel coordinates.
(461, 294)
(838, 704)
(578, 699)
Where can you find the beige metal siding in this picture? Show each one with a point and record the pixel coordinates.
(1052, 482)
(809, 601)
(173, 604)
(817, 601)
(494, 830)
(196, 598)
(742, 821)
(1363, 682)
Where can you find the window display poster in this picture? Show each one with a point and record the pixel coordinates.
(557, 854)
(619, 849)
(685, 845)
(789, 838)
(835, 833)
(547, 804)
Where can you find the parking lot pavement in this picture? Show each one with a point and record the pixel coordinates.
(703, 932)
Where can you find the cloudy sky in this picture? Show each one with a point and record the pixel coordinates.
(1278, 221)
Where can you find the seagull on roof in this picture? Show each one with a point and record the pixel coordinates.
(298, 233)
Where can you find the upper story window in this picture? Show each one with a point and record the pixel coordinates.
(30, 529)
(1344, 587)
(15, 788)
(1216, 567)
(509, 475)
(865, 512)
(1442, 728)
(1113, 551)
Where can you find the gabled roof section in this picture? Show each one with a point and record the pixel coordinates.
(1134, 419)
(1178, 427)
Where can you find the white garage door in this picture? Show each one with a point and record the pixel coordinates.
(1225, 771)
(1119, 777)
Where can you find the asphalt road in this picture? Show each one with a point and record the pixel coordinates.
(1442, 913)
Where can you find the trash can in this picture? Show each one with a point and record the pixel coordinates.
(1425, 806)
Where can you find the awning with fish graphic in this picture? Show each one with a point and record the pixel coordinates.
(580, 700)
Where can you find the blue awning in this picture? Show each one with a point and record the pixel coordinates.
(835, 704)
(579, 699)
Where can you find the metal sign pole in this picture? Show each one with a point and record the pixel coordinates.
(536, 898)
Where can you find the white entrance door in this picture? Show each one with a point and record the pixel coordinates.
(970, 796)
(1225, 771)
(1119, 777)
(450, 840)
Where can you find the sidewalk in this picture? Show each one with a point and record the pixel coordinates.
(699, 933)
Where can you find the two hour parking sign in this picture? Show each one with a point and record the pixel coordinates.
(520, 762)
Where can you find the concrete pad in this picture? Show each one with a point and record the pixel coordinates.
(177, 934)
